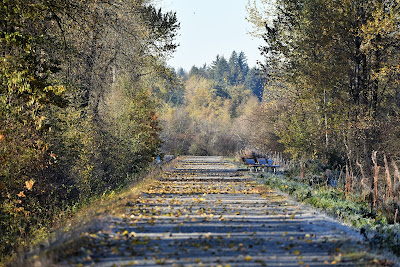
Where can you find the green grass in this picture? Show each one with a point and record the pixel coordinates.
(352, 211)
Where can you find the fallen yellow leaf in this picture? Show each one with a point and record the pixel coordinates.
(248, 258)
(297, 252)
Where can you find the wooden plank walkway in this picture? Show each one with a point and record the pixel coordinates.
(204, 213)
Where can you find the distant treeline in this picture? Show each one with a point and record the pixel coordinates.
(228, 73)
(216, 109)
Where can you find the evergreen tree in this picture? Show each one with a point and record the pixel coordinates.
(255, 82)
(213, 73)
(243, 67)
(219, 70)
(234, 69)
(181, 73)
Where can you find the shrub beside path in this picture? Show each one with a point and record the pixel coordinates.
(205, 213)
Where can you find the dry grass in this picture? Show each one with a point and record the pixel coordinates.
(382, 190)
(92, 216)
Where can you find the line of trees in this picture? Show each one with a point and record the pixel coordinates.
(77, 117)
(215, 109)
(228, 73)
(333, 72)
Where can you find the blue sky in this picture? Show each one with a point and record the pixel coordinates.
(210, 28)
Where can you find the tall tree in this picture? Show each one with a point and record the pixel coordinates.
(243, 67)
(220, 70)
(234, 68)
(255, 82)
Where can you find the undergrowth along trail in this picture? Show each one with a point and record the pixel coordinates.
(205, 213)
(331, 200)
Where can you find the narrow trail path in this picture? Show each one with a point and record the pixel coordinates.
(204, 213)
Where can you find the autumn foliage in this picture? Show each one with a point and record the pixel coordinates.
(77, 119)
(219, 112)
(333, 83)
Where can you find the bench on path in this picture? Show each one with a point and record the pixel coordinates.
(251, 163)
(269, 163)
(260, 163)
